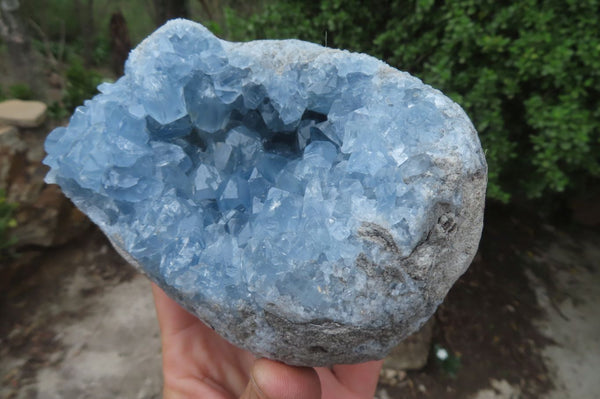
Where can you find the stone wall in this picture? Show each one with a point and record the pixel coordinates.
(45, 217)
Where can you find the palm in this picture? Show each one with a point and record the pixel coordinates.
(198, 363)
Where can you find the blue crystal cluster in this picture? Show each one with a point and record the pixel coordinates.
(239, 175)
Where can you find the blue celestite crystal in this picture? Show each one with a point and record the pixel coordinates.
(312, 205)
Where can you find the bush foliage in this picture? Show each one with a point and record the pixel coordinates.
(81, 85)
(21, 91)
(528, 72)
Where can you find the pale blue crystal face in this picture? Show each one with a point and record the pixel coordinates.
(240, 179)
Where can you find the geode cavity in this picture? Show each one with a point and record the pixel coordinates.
(311, 205)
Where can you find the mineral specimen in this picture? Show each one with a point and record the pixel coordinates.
(311, 205)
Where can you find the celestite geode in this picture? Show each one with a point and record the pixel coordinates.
(311, 205)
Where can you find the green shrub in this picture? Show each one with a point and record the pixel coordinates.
(7, 221)
(81, 85)
(57, 112)
(527, 73)
(101, 53)
(21, 91)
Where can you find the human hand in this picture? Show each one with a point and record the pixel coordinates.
(198, 363)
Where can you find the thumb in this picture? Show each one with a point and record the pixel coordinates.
(273, 380)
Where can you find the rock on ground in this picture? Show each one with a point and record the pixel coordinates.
(22, 113)
(412, 353)
(45, 217)
(500, 389)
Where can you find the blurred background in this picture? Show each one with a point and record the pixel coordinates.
(76, 321)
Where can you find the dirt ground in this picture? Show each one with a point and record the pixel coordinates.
(523, 320)
(77, 322)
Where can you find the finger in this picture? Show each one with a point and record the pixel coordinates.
(273, 380)
(359, 378)
(171, 317)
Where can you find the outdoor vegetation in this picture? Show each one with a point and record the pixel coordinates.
(526, 72)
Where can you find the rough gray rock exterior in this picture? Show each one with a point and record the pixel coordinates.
(437, 262)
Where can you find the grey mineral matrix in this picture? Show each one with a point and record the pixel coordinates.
(312, 205)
